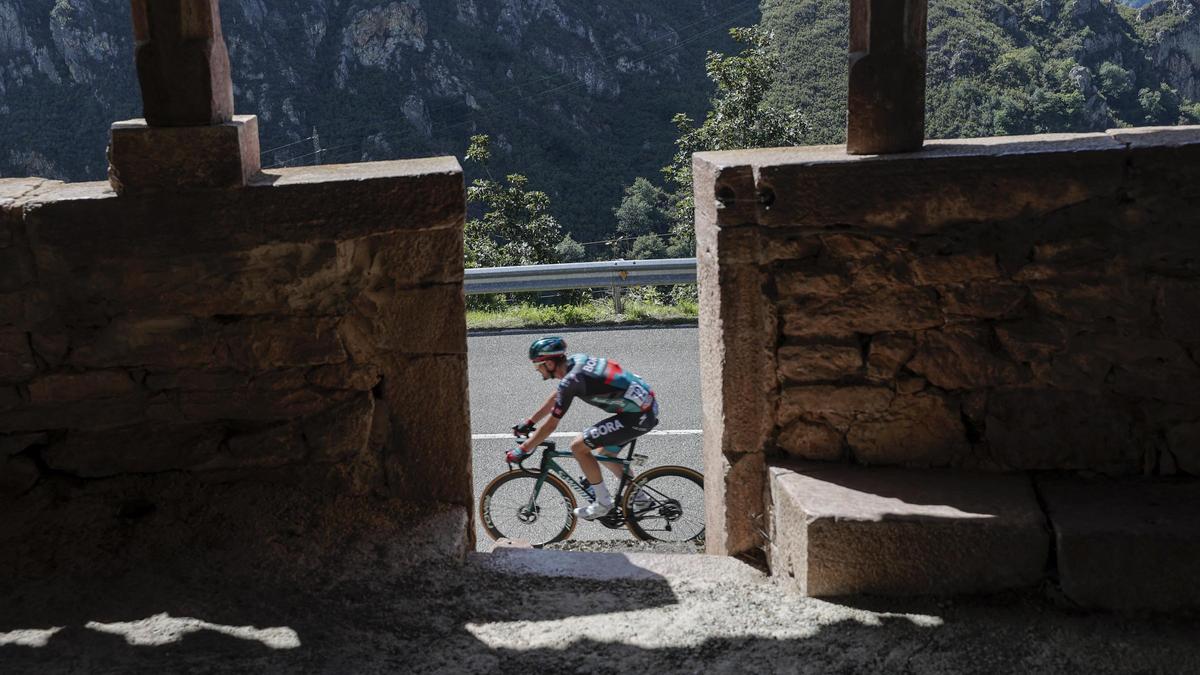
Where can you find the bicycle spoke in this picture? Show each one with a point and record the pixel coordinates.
(505, 509)
(676, 510)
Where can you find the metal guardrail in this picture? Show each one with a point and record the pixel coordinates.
(612, 274)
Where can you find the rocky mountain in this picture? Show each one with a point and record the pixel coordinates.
(576, 94)
(999, 67)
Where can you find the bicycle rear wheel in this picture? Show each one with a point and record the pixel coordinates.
(506, 511)
(673, 510)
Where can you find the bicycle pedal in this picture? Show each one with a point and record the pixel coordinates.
(613, 520)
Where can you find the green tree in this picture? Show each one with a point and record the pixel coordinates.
(741, 116)
(647, 247)
(516, 227)
(569, 250)
(1114, 81)
(1160, 106)
(643, 209)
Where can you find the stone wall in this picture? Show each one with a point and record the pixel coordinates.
(998, 304)
(306, 330)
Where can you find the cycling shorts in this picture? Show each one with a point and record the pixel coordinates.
(619, 429)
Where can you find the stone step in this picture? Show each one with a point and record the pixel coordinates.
(840, 529)
(1126, 544)
(674, 568)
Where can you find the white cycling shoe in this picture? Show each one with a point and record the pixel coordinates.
(593, 511)
(641, 501)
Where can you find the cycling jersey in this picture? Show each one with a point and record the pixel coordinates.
(604, 384)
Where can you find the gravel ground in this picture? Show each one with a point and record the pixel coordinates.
(358, 586)
(367, 614)
(625, 546)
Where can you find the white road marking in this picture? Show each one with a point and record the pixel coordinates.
(572, 434)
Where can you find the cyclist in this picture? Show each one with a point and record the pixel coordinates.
(602, 383)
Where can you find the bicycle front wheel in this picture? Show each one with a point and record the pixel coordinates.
(509, 509)
(666, 503)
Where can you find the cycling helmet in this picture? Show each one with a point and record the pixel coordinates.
(547, 348)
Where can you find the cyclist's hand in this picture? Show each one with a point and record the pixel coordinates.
(516, 455)
(523, 428)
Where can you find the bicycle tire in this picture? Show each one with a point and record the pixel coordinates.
(500, 507)
(669, 487)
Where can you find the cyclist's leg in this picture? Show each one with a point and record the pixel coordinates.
(610, 434)
(613, 467)
(583, 455)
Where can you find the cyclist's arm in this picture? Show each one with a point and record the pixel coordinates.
(556, 406)
(536, 418)
(541, 434)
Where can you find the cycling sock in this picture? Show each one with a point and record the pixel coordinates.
(602, 495)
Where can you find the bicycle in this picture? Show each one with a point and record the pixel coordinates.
(518, 505)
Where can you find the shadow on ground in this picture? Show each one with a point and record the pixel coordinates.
(364, 590)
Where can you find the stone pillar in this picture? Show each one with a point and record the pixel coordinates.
(182, 63)
(887, 76)
(189, 137)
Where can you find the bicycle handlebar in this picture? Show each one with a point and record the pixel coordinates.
(525, 435)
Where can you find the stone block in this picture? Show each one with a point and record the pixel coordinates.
(428, 450)
(149, 448)
(983, 300)
(920, 430)
(1178, 305)
(956, 268)
(181, 342)
(51, 347)
(25, 310)
(1126, 544)
(338, 434)
(16, 358)
(101, 413)
(341, 433)
(269, 397)
(947, 183)
(276, 446)
(144, 158)
(1048, 429)
(1155, 157)
(1029, 340)
(960, 359)
(812, 440)
(344, 376)
(255, 344)
(182, 62)
(1125, 301)
(886, 97)
(408, 259)
(17, 476)
(16, 268)
(734, 507)
(170, 342)
(811, 283)
(66, 387)
(880, 427)
(303, 205)
(1184, 441)
(817, 362)
(18, 443)
(837, 405)
(195, 380)
(404, 322)
(282, 278)
(888, 353)
(866, 311)
(846, 530)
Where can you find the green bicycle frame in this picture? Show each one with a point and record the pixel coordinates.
(548, 464)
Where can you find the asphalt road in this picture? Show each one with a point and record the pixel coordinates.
(505, 389)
